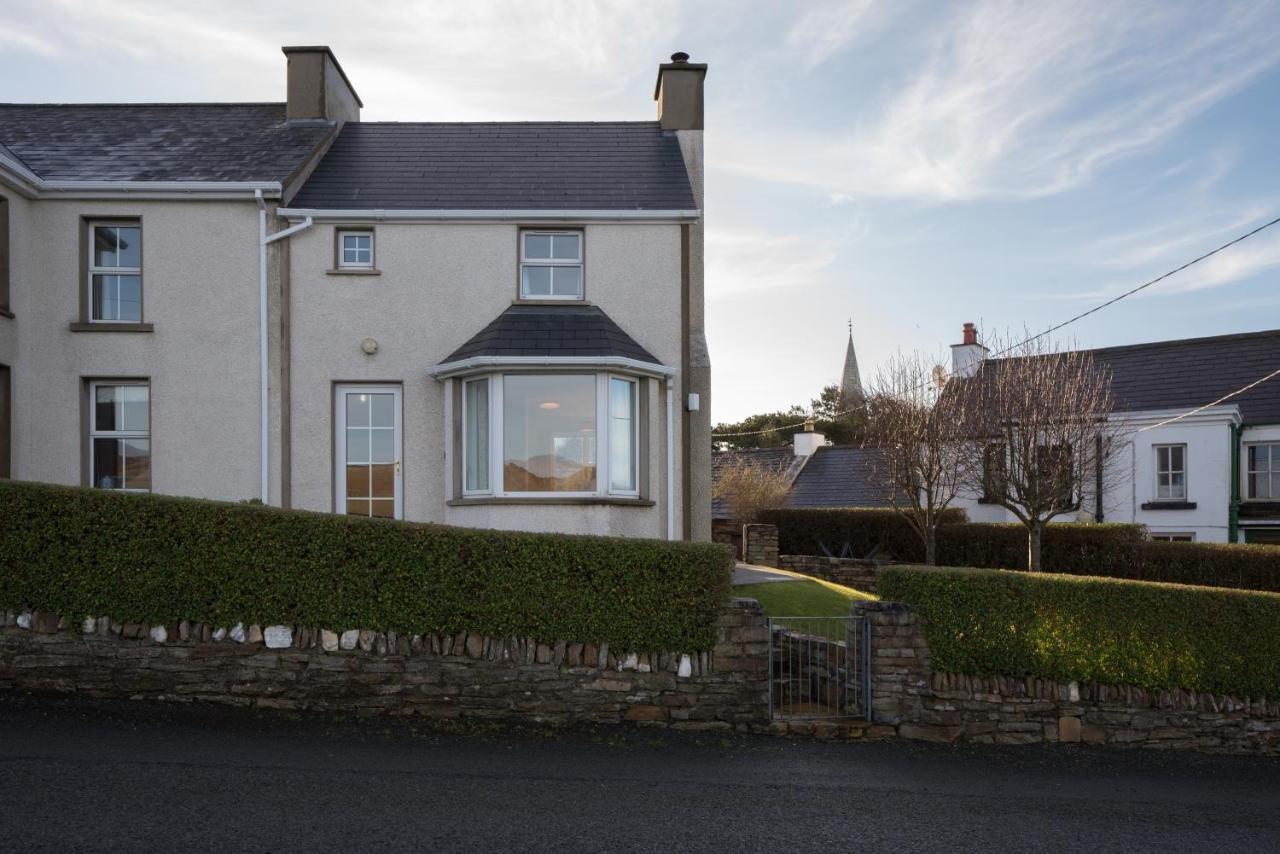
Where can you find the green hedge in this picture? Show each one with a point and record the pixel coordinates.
(887, 533)
(148, 558)
(1062, 627)
(1078, 549)
(1250, 567)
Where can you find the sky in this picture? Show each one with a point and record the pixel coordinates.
(908, 166)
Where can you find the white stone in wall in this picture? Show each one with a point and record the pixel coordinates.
(631, 662)
(328, 640)
(159, 634)
(686, 667)
(350, 638)
(1073, 692)
(237, 633)
(89, 626)
(278, 637)
(219, 634)
(24, 620)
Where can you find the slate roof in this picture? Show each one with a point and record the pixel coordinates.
(771, 459)
(552, 330)
(837, 476)
(158, 142)
(1192, 372)
(500, 166)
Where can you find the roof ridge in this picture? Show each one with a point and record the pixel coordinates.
(577, 122)
(1229, 336)
(145, 104)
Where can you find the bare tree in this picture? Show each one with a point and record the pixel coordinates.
(750, 488)
(918, 434)
(1042, 420)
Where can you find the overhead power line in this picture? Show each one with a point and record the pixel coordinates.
(1223, 399)
(1081, 316)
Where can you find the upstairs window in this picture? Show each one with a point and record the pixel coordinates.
(115, 272)
(355, 250)
(1262, 471)
(551, 265)
(1171, 472)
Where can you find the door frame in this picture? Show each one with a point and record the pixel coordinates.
(340, 392)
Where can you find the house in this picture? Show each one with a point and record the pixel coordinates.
(491, 324)
(1213, 476)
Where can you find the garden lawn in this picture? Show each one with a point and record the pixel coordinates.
(802, 598)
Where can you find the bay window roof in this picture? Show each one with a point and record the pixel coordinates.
(543, 334)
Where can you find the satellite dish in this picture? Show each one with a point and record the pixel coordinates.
(939, 376)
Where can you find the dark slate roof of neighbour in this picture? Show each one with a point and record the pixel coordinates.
(839, 476)
(1194, 371)
(771, 459)
(500, 166)
(158, 142)
(552, 330)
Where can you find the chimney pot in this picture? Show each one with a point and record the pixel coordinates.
(970, 334)
(679, 56)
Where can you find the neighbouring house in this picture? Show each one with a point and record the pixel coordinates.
(1213, 476)
(492, 324)
(820, 474)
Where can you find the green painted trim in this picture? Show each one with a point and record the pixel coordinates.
(1233, 512)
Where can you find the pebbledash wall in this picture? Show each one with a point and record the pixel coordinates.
(912, 701)
(446, 677)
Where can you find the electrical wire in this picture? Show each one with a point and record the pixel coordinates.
(1081, 316)
(1225, 397)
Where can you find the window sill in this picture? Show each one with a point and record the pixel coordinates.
(566, 301)
(1169, 505)
(4, 312)
(594, 499)
(353, 271)
(81, 326)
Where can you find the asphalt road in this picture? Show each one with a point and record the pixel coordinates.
(76, 776)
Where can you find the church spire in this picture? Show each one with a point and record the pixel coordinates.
(851, 394)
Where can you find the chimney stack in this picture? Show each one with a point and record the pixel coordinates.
(968, 355)
(804, 444)
(679, 93)
(318, 88)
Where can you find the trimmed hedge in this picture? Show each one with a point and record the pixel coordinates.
(149, 558)
(1249, 567)
(985, 622)
(1067, 547)
(863, 530)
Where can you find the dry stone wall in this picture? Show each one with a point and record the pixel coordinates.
(917, 703)
(448, 677)
(760, 544)
(857, 573)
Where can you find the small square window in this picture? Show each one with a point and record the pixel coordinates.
(551, 265)
(355, 250)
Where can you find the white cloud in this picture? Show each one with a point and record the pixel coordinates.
(825, 29)
(1025, 100)
(744, 260)
(14, 39)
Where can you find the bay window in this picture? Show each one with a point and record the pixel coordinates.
(550, 435)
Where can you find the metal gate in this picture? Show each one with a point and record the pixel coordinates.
(819, 668)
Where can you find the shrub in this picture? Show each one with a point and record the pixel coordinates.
(1251, 567)
(850, 532)
(1062, 627)
(149, 558)
(750, 489)
(1079, 549)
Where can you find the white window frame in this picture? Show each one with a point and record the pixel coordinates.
(1272, 470)
(580, 263)
(95, 433)
(497, 468)
(340, 442)
(1186, 486)
(343, 263)
(1173, 536)
(94, 270)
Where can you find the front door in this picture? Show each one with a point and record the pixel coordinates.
(367, 442)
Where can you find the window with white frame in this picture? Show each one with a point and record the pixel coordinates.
(1166, 537)
(551, 434)
(551, 265)
(120, 435)
(1262, 471)
(1171, 472)
(355, 250)
(115, 272)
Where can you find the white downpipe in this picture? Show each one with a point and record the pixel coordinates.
(671, 459)
(264, 402)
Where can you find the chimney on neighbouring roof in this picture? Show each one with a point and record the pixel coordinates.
(318, 88)
(679, 93)
(967, 355)
(804, 444)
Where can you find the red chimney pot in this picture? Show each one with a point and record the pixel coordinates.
(970, 334)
